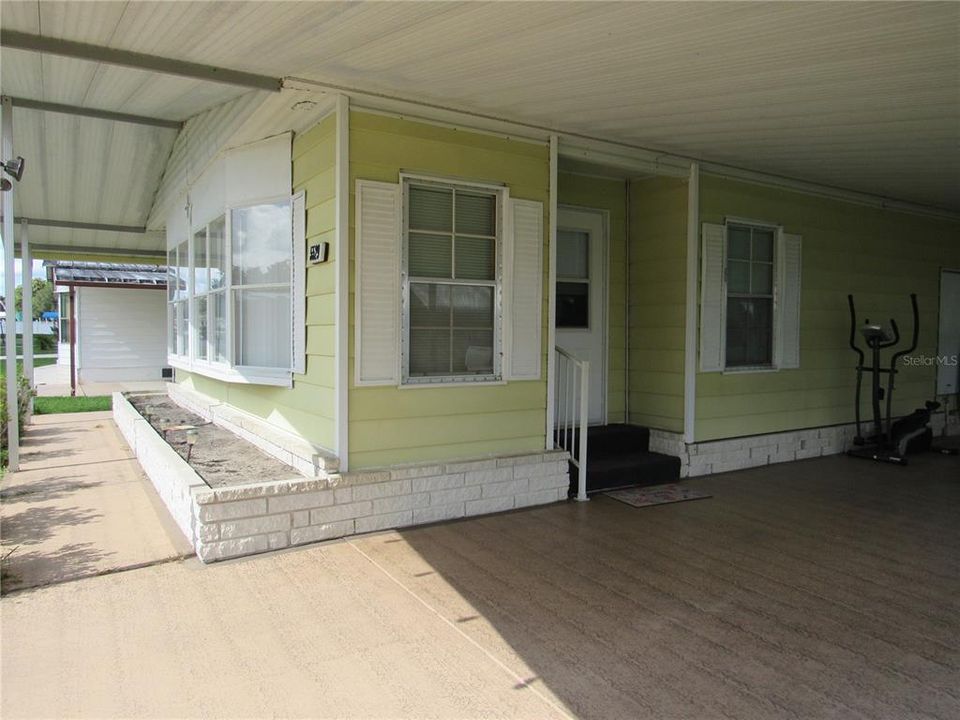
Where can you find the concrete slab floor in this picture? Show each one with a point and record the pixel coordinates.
(819, 589)
(80, 505)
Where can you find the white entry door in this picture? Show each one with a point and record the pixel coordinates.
(581, 308)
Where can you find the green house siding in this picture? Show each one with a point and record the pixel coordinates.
(878, 255)
(658, 256)
(610, 195)
(308, 408)
(390, 425)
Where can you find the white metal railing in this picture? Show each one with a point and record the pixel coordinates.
(571, 402)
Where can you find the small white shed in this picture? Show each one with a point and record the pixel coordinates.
(112, 320)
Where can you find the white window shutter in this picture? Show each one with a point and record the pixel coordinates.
(298, 295)
(378, 248)
(788, 295)
(712, 298)
(524, 284)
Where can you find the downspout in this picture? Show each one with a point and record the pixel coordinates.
(73, 343)
(691, 316)
(626, 322)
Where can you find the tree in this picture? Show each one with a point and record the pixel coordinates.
(44, 298)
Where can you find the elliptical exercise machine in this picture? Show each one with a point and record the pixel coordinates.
(890, 441)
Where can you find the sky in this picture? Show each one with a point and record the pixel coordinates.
(38, 272)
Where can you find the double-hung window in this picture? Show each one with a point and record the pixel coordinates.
(749, 297)
(750, 293)
(451, 282)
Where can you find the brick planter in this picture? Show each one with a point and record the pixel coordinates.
(245, 519)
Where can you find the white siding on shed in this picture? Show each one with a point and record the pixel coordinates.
(121, 334)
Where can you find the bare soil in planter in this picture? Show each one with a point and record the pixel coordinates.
(221, 458)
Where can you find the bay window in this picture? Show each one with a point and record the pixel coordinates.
(236, 246)
(247, 298)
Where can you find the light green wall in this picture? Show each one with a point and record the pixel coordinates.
(878, 255)
(389, 425)
(610, 195)
(658, 256)
(308, 408)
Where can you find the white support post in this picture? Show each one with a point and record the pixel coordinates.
(9, 276)
(551, 294)
(582, 452)
(691, 316)
(26, 274)
(342, 297)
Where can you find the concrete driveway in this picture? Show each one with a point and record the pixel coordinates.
(318, 632)
(80, 506)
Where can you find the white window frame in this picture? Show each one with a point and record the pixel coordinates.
(777, 230)
(229, 371)
(500, 193)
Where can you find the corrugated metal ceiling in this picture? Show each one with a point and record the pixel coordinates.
(864, 96)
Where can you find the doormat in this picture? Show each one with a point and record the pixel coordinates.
(656, 495)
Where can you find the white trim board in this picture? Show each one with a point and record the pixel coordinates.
(552, 292)
(692, 316)
(598, 148)
(342, 298)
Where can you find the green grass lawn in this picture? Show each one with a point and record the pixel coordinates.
(51, 405)
(41, 344)
(37, 362)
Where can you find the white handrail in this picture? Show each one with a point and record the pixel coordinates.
(571, 406)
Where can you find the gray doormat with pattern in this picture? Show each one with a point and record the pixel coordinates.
(656, 495)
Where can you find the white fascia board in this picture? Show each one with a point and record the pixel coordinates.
(596, 149)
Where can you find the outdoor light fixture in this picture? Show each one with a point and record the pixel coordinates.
(192, 436)
(13, 168)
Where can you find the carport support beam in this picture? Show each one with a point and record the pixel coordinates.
(26, 274)
(10, 283)
(137, 61)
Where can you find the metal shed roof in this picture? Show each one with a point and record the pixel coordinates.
(94, 273)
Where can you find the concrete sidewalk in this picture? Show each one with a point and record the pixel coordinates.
(54, 380)
(80, 505)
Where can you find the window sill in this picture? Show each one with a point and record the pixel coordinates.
(241, 376)
(748, 369)
(453, 382)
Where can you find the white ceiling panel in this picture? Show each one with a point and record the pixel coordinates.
(862, 96)
(88, 170)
